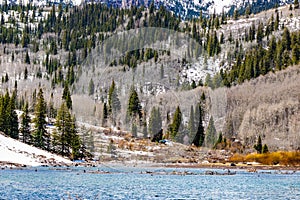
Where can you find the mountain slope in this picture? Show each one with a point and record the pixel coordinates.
(188, 8)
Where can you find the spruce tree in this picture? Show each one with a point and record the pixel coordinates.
(258, 145)
(265, 149)
(67, 96)
(25, 125)
(91, 88)
(12, 118)
(198, 140)
(105, 114)
(114, 104)
(211, 132)
(191, 125)
(40, 136)
(27, 58)
(76, 143)
(177, 119)
(25, 73)
(134, 107)
(64, 126)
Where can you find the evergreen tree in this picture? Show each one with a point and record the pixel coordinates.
(276, 23)
(286, 39)
(91, 87)
(25, 125)
(260, 33)
(25, 73)
(27, 58)
(67, 96)
(211, 133)
(258, 145)
(6, 78)
(64, 126)
(40, 136)
(77, 150)
(177, 119)
(105, 114)
(134, 107)
(191, 125)
(12, 118)
(114, 104)
(3, 113)
(265, 149)
(296, 54)
(193, 85)
(199, 137)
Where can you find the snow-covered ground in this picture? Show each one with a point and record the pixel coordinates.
(16, 152)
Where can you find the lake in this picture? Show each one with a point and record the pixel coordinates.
(135, 183)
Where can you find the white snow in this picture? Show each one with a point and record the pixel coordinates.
(13, 151)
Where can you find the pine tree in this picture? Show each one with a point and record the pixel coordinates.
(91, 87)
(12, 118)
(134, 107)
(296, 54)
(265, 149)
(177, 119)
(6, 78)
(25, 73)
(199, 137)
(105, 114)
(3, 113)
(193, 85)
(25, 125)
(27, 58)
(258, 145)
(286, 39)
(114, 104)
(211, 133)
(40, 135)
(276, 23)
(64, 126)
(67, 96)
(191, 125)
(77, 150)
(260, 33)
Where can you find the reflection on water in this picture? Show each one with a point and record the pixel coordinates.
(146, 183)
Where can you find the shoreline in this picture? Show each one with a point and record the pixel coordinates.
(225, 166)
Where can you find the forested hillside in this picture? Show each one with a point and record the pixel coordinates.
(88, 63)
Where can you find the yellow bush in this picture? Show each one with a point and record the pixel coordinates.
(237, 158)
(274, 158)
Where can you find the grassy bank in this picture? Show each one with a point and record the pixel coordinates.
(273, 158)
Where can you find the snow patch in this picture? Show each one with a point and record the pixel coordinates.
(13, 151)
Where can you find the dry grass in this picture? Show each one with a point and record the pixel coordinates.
(283, 158)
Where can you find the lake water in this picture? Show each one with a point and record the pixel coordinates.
(129, 183)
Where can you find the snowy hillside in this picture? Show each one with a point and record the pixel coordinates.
(184, 8)
(13, 151)
(190, 8)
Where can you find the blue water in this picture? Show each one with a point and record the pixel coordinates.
(129, 183)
